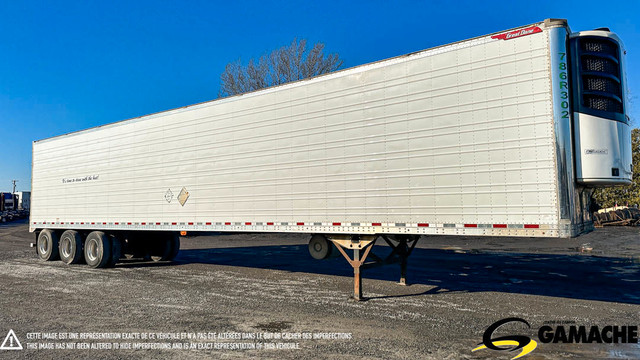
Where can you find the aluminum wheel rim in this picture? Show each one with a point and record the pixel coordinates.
(43, 245)
(65, 249)
(92, 250)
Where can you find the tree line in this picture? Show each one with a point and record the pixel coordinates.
(296, 62)
(623, 195)
(286, 64)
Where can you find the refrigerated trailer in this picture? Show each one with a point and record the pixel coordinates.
(501, 135)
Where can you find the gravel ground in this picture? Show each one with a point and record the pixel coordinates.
(268, 285)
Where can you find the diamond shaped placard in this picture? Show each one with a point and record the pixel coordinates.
(183, 196)
(168, 196)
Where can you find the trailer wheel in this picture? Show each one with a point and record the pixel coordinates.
(175, 246)
(319, 247)
(116, 250)
(71, 247)
(47, 246)
(133, 246)
(97, 249)
(165, 248)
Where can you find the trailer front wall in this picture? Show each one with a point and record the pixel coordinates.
(457, 139)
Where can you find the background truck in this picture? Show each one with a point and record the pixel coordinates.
(500, 135)
(8, 201)
(10, 206)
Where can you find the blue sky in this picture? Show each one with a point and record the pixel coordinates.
(67, 66)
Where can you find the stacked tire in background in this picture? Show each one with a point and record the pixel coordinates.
(624, 216)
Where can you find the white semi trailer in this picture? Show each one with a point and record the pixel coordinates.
(500, 135)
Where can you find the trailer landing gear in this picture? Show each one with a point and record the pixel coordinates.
(401, 245)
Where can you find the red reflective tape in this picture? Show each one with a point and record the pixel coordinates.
(174, 223)
(34, 223)
(72, 223)
(227, 223)
(376, 224)
(531, 226)
(337, 224)
(144, 223)
(117, 223)
(62, 223)
(157, 223)
(423, 225)
(190, 223)
(93, 223)
(104, 223)
(300, 224)
(208, 223)
(247, 223)
(471, 225)
(128, 223)
(270, 223)
(501, 226)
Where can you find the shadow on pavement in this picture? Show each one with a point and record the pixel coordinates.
(14, 223)
(570, 276)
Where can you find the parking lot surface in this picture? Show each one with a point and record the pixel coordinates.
(266, 292)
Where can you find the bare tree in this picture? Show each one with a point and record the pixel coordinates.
(289, 63)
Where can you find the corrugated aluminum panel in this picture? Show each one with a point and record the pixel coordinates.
(460, 134)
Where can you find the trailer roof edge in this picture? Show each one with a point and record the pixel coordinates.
(297, 82)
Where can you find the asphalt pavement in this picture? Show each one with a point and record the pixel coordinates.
(263, 296)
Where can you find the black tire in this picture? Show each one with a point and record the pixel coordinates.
(97, 249)
(162, 247)
(47, 245)
(175, 246)
(609, 216)
(597, 218)
(128, 247)
(71, 247)
(619, 215)
(319, 247)
(116, 251)
(133, 246)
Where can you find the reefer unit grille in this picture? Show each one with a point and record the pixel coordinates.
(599, 80)
(602, 103)
(602, 65)
(600, 46)
(601, 131)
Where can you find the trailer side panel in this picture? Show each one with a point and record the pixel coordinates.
(454, 140)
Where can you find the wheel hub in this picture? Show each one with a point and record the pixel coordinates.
(66, 247)
(43, 246)
(92, 250)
